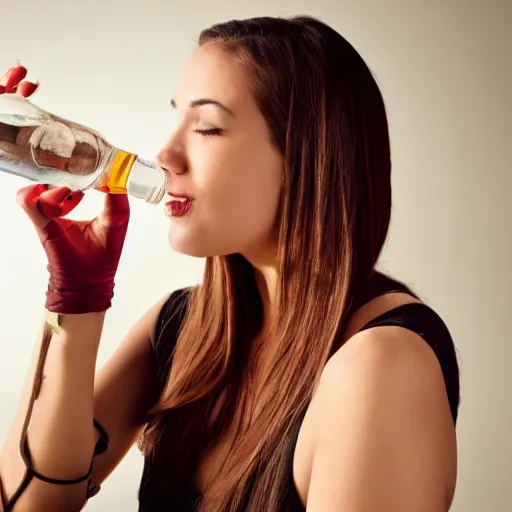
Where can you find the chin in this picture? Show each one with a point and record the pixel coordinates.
(204, 243)
(194, 246)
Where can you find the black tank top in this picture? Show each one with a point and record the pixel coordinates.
(416, 317)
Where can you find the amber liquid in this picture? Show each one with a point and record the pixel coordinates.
(117, 178)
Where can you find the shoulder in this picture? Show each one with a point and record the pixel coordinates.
(386, 354)
(381, 404)
(387, 362)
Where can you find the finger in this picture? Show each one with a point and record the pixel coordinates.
(116, 207)
(5, 78)
(58, 202)
(26, 89)
(13, 77)
(28, 198)
(16, 75)
(43, 204)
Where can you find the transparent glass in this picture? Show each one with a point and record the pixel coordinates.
(47, 149)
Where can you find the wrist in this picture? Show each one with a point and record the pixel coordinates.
(61, 322)
(76, 303)
(80, 292)
(79, 334)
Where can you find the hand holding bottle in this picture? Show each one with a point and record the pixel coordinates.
(82, 255)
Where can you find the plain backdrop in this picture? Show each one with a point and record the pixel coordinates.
(445, 73)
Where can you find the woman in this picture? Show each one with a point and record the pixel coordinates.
(295, 376)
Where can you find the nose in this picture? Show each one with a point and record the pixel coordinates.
(171, 158)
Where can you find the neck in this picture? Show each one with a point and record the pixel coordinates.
(266, 279)
(265, 269)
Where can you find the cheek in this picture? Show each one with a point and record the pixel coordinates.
(238, 185)
(252, 219)
(241, 169)
(247, 189)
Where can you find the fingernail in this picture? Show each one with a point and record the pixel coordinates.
(70, 197)
(2, 89)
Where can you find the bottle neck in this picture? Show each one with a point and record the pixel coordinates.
(146, 181)
(127, 173)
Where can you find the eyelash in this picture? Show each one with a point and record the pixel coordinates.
(210, 132)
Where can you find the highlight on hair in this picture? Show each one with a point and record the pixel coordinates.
(327, 117)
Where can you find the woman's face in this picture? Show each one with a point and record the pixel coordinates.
(221, 156)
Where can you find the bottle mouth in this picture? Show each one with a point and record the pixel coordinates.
(161, 192)
(147, 181)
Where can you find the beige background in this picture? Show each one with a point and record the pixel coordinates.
(445, 71)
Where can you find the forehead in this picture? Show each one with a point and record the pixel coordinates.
(214, 73)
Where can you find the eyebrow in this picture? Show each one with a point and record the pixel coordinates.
(205, 101)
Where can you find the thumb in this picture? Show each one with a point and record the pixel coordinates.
(116, 209)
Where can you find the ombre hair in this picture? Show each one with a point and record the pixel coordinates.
(327, 117)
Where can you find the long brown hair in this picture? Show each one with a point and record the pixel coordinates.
(327, 117)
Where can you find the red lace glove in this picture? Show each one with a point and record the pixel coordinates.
(82, 255)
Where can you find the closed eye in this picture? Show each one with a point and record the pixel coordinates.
(209, 132)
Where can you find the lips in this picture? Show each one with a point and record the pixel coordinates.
(179, 205)
(178, 196)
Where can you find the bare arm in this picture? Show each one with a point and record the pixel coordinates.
(61, 434)
(384, 435)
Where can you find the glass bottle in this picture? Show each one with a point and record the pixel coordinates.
(46, 149)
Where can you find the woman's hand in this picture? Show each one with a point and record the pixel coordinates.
(14, 82)
(82, 255)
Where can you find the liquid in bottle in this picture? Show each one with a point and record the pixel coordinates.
(46, 149)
